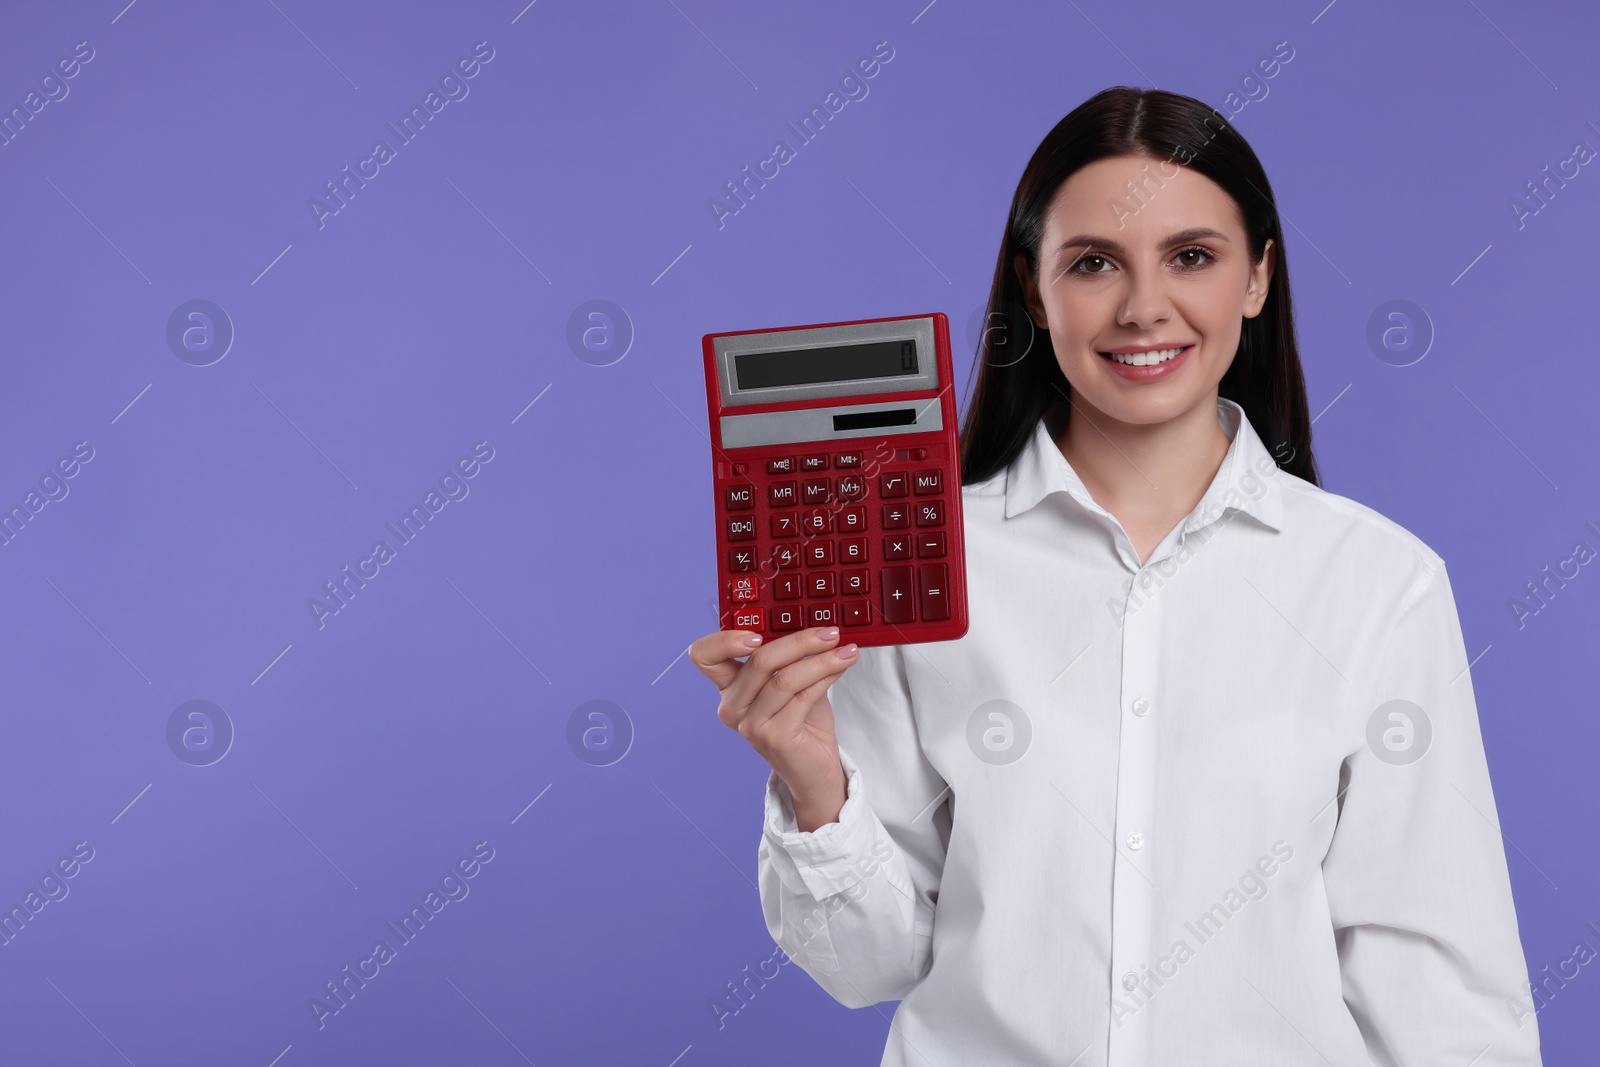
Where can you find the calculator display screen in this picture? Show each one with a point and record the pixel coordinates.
(836, 363)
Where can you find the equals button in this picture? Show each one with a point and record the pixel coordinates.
(933, 591)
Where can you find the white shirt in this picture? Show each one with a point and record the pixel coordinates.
(1165, 814)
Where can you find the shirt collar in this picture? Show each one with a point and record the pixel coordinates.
(1246, 482)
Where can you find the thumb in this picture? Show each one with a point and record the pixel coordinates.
(713, 655)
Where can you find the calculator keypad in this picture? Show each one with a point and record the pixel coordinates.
(842, 541)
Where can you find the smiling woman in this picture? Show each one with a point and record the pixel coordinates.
(1063, 798)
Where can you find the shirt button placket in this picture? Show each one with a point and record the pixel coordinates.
(1132, 893)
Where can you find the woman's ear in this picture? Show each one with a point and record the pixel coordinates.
(1030, 292)
(1255, 292)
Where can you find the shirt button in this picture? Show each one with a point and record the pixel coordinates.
(1135, 840)
(1141, 706)
(1130, 981)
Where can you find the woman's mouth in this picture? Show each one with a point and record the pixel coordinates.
(1147, 366)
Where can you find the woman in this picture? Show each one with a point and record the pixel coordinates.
(1203, 783)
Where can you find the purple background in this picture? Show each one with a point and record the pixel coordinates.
(428, 314)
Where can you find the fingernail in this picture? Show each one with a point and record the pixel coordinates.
(847, 652)
(830, 633)
(751, 639)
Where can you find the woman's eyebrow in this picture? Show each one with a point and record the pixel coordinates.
(1194, 233)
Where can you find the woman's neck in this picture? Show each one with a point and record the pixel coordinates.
(1149, 477)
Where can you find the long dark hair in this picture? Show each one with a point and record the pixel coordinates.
(1018, 377)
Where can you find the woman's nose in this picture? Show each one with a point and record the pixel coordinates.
(1146, 301)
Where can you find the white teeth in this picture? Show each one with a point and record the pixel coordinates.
(1146, 359)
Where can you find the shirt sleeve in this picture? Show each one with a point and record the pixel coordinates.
(1417, 885)
(853, 902)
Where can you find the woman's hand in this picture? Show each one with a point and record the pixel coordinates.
(776, 700)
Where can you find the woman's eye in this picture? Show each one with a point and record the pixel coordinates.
(1188, 259)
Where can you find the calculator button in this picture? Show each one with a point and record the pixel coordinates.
(853, 520)
(741, 529)
(853, 550)
(850, 486)
(929, 481)
(786, 524)
(930, 513)
(781, 495)
(818, 521)
(820, 583)
(897, 594)
(741, 496)
(786, 587)
(847, 459)
(896, 516)
(815, 490)
(813, 463)
(781, 465)
(935, 596)
(855, 613)
(823, 614)
(786, 618)
(892, 484)
(741, 559)
(930, 544)
(748, 619)
(858, 581)
(742, 590)
(819, 553)
(897, 546)
(786, 554)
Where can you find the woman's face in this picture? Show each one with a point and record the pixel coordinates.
(1121, 275)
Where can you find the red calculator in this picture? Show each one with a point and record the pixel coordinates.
(837, 480)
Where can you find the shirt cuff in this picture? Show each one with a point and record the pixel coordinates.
(831, 858)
